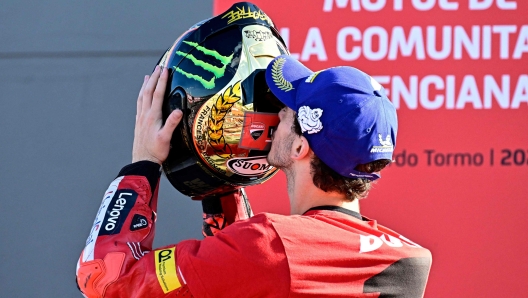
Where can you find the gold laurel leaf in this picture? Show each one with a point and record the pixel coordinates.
(215, 125)
(219, 111)
(216, 135)
(216, 114)
(237, 89)
(219, 103)
(219, 144)
(232, 94)
(231, 99)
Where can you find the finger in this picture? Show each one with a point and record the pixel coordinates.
(170, 124)
(159, 93)
(140, 96)
(149, 90)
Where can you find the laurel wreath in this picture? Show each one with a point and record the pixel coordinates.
(278, 78)
(219, 110)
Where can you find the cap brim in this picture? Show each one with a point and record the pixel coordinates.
(283, 76)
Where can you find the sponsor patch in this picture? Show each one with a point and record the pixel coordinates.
(165, 260)
(309, 119)
(117, 211)
(249, 166)
(257, 130)
(138, 222)
(88, 253)
(386, 145)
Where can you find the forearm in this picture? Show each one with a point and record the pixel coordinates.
(118, 260)
(116, 256)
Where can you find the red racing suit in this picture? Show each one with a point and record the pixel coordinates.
(326, 252)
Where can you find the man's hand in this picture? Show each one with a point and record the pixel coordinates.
(151, 137)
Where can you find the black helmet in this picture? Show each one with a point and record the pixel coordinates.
(217, 80)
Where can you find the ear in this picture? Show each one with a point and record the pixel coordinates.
(300, 148)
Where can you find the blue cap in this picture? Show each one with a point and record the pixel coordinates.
(344, 113)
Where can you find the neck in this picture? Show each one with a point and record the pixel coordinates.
(303, 194)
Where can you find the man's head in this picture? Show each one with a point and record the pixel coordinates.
(345, 117)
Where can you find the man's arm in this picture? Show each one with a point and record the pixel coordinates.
(123, 231)
(117, 260)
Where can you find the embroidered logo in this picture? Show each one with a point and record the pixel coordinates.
(309, 119)
(278, 78)
(386, 145)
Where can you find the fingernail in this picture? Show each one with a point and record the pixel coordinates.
(162, 69)
(145, 78)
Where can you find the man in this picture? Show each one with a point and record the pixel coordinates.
(336, 132)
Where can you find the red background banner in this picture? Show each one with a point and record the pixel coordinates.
(457, 71)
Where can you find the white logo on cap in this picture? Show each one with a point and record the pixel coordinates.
(386, 145)
(309, 119)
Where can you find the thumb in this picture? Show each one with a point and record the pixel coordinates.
(172, 121)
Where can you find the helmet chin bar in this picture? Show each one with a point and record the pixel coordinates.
(217, 80)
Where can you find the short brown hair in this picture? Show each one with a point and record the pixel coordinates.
(329, 180)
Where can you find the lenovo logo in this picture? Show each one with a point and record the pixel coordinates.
(118, 210)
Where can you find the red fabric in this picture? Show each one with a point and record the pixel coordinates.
(314, 255)
(137, 276)
(246, 259)
(236, 206)
(322, 253)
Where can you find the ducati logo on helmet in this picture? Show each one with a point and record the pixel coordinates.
(256, 130)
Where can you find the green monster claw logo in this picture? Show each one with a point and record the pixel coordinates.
(218, 72)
